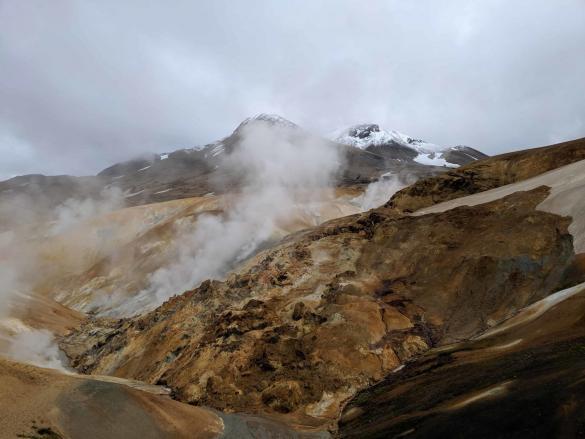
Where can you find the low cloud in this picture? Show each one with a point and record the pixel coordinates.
(93, 83)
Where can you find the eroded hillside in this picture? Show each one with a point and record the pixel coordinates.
(521, 379)
(322, 310)
(330, 311)
(487, 174)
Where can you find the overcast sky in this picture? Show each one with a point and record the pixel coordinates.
(85, 84)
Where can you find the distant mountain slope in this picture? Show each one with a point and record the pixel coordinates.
(487, 174)
(33, 198)
(367, 153)
(395, 145)
(197, 171)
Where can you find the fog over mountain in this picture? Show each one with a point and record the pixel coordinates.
(84, 85)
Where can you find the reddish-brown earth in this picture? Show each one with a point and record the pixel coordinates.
(299, 329)
(305, 325)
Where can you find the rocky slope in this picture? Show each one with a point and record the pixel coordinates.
(528, 367)
(487, 174)
(117, 271)
(303, 326)
(101, 264)
(353, 319)
(522, 379)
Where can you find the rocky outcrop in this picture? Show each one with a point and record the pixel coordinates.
(303, 326)
(487, 174)
(522, 379)
(463, 155)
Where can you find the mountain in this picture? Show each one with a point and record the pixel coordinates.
(398, 146)
(281, 305)
(197, 171)
(529, 365)
(367, 153)
(487, 174)
(306, 324)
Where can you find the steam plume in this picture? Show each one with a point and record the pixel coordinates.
(282, 169)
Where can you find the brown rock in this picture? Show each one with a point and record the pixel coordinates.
(283, 397)
(298, 311)
(487, 174)
(382, 288)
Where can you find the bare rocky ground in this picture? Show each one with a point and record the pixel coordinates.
(522, 379)
(41, 403)
(303, 326)
(332, 310)
(432, 316)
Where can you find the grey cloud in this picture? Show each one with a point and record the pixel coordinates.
(85, 84)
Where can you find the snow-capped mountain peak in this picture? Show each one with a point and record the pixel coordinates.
(369, 135)
(217, 148)
(270, 119)
(364, 135)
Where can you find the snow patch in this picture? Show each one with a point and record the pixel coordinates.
(133, 194)
(534, 311)
(272, 119)
(365, 135)
(217, 149)
(433, 159)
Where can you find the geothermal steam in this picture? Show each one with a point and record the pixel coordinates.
(74, 211)
(21, 266)
(380, 191)
(284, 171)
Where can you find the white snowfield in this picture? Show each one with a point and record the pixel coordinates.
(433, 159)
(273, 119)
(567, 198)
(380, 137)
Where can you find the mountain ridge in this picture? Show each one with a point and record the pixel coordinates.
(198, 171)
